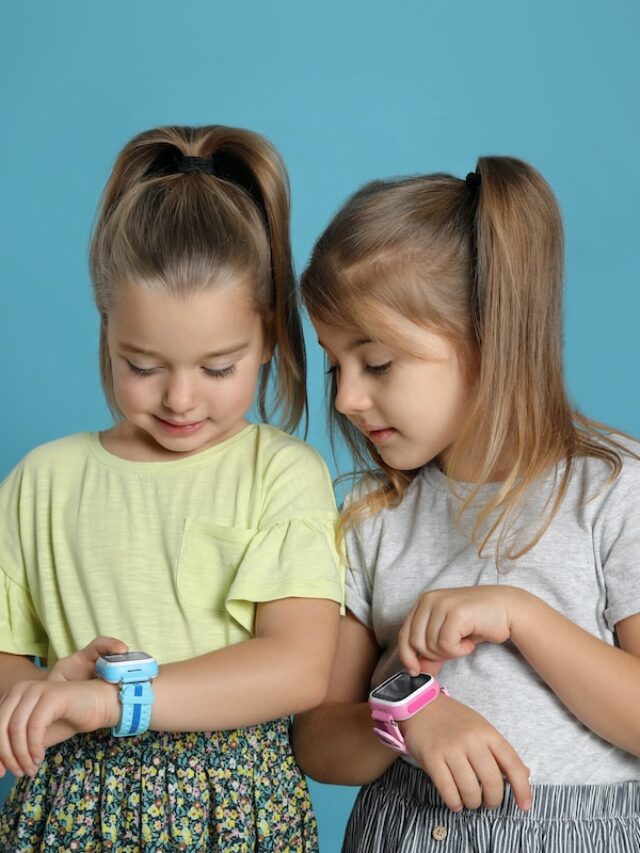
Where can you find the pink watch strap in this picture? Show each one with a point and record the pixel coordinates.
(387, 728)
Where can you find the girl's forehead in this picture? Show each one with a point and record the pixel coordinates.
(155, 319)
(389, 329)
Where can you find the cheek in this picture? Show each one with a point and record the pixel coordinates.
(130, 391)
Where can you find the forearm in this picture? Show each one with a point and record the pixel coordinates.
(598, 683)
(335, 744)
(251, 682)
(16, 668)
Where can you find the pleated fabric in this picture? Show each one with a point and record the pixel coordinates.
(402, 813)
(237, 791)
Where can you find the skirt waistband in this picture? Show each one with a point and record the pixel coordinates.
(571, 802)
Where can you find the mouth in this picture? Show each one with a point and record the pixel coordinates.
(178, 428)
(379, 435)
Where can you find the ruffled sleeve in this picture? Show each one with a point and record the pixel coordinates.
(291, 559)
(20, 630)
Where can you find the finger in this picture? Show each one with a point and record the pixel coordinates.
(7, 707)
(14, 753)
(466, 780)
(406, 653)
(445, 784)
(18, 731)
(46, 713)
(432, 667)
(516, 771)
(489, 775)
(104, 646)
(452, 642)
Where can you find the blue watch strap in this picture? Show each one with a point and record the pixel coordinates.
(136, 700)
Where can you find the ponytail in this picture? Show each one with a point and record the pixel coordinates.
(479, 261)
(185, 207)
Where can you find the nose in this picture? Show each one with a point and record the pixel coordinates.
(352, 396)
(179, 393)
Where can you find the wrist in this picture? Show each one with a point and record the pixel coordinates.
(109, 702)
(520, 604)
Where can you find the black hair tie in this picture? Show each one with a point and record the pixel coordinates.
(473, 181)
(185, 163)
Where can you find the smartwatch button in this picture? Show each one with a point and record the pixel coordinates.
(439, 832)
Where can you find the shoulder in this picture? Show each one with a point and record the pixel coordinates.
(279, 451)
(294, 478)
(53, 455)
(605, 491)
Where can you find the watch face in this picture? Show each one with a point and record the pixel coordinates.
(129, 657)
(400, 686)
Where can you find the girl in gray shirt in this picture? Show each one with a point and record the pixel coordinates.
(494, 537)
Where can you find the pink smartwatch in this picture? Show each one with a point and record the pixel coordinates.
(399, 698)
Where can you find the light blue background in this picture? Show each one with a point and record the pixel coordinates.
(348, 91)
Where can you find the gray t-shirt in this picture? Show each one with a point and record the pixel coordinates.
(587, 566)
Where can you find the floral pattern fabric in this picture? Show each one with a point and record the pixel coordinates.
(235, 791)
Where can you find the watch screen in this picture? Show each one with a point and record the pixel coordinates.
(129, 657)
(400, 686)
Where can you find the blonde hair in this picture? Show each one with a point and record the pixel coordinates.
(163, 227)
(481, 262)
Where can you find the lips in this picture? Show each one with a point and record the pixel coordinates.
(379, 435)
(173, 428)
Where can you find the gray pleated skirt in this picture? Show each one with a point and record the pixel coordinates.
(402, 813)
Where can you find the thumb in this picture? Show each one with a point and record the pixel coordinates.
(104, 646)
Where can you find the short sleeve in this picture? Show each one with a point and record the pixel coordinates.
(619, 544)
(291, 559)
(21, 632)
(358, 579)
(293, 552)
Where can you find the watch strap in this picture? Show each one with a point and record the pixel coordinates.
(136, 702)
(386, 726)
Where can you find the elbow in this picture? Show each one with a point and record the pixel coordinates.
(312, 691)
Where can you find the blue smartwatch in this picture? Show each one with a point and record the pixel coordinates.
(134, 672)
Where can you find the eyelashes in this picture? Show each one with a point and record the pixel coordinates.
(372, 369)
(221, 373)
(378, 369)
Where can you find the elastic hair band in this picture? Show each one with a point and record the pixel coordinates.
(473, 181)
(223, 165)
(196, 164)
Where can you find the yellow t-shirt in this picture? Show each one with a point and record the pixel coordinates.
(170, 557)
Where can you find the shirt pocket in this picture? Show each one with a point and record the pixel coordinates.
(209, 558)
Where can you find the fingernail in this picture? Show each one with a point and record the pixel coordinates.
(526, 805)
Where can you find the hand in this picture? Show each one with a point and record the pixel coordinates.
(38, 714)
(465, 757)
(81, 665)
(449, 623)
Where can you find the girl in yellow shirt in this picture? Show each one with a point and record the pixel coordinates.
(184, 530)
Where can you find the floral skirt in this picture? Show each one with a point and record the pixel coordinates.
(231, 791)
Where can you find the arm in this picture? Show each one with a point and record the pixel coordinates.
(15, 668)
(335, 743)
(598, 683)
(462, 753)
(284, 669)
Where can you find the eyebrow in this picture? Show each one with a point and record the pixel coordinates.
(359, 342)
(232, 350)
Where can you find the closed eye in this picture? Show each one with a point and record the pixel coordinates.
(141, 371)
(378, 369)
(220, 373)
